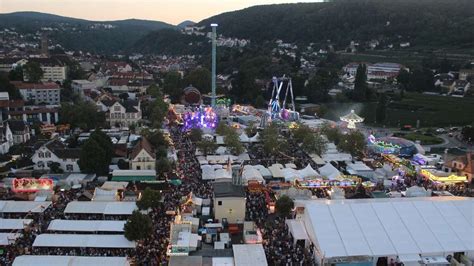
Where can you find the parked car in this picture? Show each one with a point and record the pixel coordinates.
(440, 130)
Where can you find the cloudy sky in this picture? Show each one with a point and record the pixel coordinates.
(171, 11)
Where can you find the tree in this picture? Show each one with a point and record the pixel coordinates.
(222, 128)
(33, 71)
(251, 129)
(122, 164)
(199, 78)
(156, 138)
(159, 109)
(195, 134)
(154, 91)
(55, 168)
(232, 142)
(81, 114)
(319, 85)
(96, 154)
(163, 165)
(138, 226)
(422, 79)
(331, 132)
(207, 146)
(353, 142)
(150, 199)
(309, 141)
(284, 205)
(272, 143)
(360, 84)
(172, 85)
(16, 74)
(380, 111)
(6, 86)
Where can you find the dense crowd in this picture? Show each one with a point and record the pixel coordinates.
(256, 208)
(280, 248)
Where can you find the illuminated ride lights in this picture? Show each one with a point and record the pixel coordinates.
(32, 184)
(382, 146)
(351, 119)
(201, 118)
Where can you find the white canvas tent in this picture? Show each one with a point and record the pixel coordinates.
(390, 227)
(244, 138)
(14, 224)
(86, 225)
(329, 171)
(7, 206)
(308, 171)
(104, 195)
(251, 174)
(90, 241)
(43, 260)
(263, 171)
(276, 171)
(249, 254)
(8, 238)
(297, 230)
(101, 207)
(291, 174)
(255, 138)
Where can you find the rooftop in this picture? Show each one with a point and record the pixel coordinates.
(227, 189)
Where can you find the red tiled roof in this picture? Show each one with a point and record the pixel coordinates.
(35, 86)
(143, 143)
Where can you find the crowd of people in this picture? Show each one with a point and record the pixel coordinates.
(280, 248)
(256, 208)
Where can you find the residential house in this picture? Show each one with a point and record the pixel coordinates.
(32, 113)
(6, 138)
(7, 64)
(462, 165)
(229, 202)
(124, 113)
(83, 86)
(40, 93)
(54, 151)
(143, 156)
(53, 69)
(20, 130)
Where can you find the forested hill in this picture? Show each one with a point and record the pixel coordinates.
(427, 23)
(80, 34)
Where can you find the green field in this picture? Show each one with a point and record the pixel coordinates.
(430, 110)
(425, 140)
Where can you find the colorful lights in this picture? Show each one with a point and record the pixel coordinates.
(32, 184)
(383, 147)
(453, 179)
(200, 118)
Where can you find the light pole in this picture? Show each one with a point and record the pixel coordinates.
(213, 74)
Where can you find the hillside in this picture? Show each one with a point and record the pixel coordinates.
(424, 23)
(170, 42)
(80, 34)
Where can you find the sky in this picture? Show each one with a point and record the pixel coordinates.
(171, 11)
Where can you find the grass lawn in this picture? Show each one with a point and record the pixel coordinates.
(432, 111)
(425, 140)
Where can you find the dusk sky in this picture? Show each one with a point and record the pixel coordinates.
(171, 11)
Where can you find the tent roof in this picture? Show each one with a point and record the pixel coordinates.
(23, 206)
(86, 225)
(11, 224)
(389, 227)
(308, 171)
(296, 227)
(73, 240)
(249, 254)
(42, 260)
(329, 171)
(101, 207)
(251, 173)
(4, 237)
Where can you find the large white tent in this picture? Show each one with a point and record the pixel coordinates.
(86, 241)
(308, 171)
(249, 254)
(8, 238)
(7, 206)
(297, 230)
(42, 260)
(106, 208)
(329, 171)
(86, 225)
(391, 227)
(251, 174)
(14, 224)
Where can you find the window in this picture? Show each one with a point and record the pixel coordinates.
(47, 154)
(40, 164)
(219, 203)
(117, 108)
(149, 167)
(41, 154)
(69, 167)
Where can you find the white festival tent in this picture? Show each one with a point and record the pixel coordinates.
(8, 238)
(297, 230)
(291, 174)
(329, 171)
(308, 171)
(86, 225)
(84, 241)
(7, 206)
(101, 207)
(43, 260)
(244, 138)
(250, 173)
(263, 171)
(428, 226)
(213, 172)
(14, 224)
